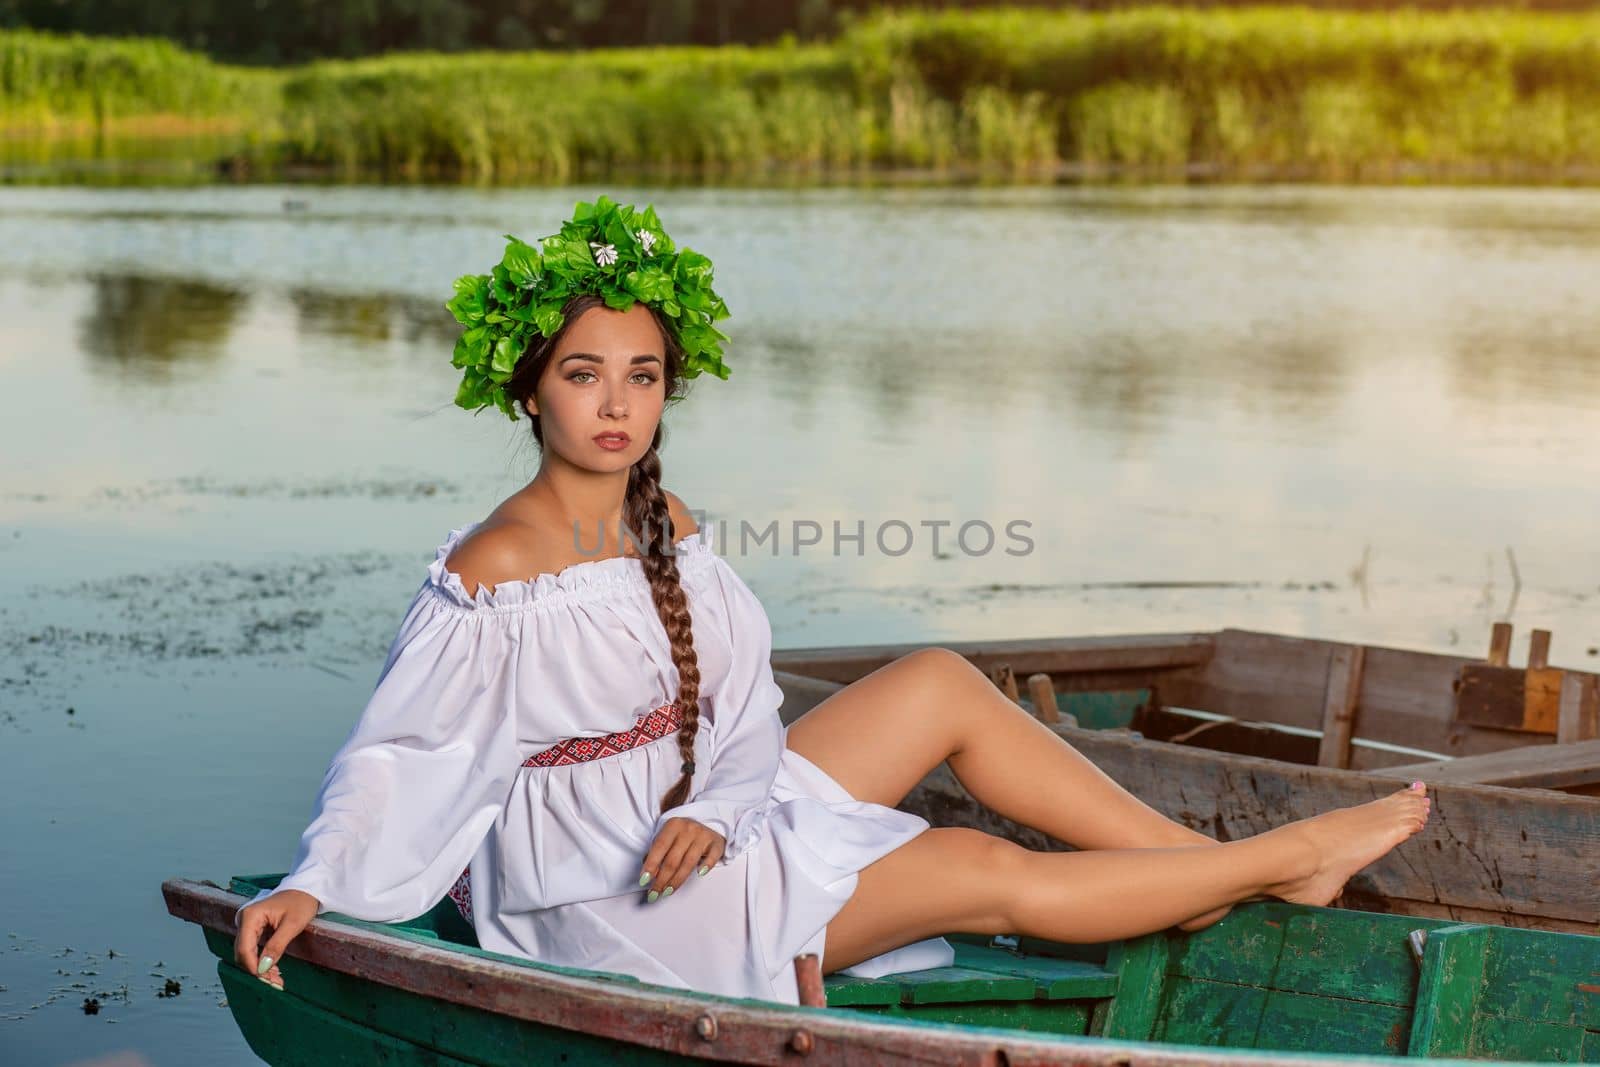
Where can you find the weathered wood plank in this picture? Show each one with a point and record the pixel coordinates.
(1345, 668)
(1005, 680)
(1043, 694)
(1523, 857)
(1499, 645)
(1539, 649)
(1133, 653)
(1508, 698)
(1243, 949)
(1499, 1038)
(848, 990)
(1037, 1016)
(1579, 717)
(1053, 979)
(1141, 968)
(1448, 990)
(1306, 1023)
(1528, 976)
(1407, 698)
(1544, 767)
(1199, 1012)
(1350, 957)
(955, 984)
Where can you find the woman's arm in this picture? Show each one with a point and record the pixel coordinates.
(414, 788)
(748, 734)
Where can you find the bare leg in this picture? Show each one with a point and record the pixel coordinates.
(953, 879)
(880, 735)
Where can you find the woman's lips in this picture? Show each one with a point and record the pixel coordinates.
(612, 442)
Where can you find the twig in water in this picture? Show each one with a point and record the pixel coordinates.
(1516, 584)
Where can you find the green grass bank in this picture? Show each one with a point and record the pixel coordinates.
(1271, 91)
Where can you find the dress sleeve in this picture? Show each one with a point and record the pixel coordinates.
(424, 773)
(747, 732)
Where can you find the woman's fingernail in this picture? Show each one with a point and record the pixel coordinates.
(644, 879)
(264, 966)
(651, 899)
(1416, 785)
(668, 892)
(702, 871)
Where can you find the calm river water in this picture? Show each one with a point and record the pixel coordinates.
(231, 450)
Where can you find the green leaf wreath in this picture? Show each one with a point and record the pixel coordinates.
(607, 249)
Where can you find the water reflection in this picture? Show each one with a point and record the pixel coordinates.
(1554, 361)
(373, 317)
(143, 326)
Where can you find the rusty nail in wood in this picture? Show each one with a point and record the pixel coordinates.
(706, 1027)
(800, 1041)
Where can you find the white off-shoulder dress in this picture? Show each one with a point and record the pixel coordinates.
(431, 779)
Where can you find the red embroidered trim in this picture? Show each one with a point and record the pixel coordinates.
(650, 727)
(461, 893)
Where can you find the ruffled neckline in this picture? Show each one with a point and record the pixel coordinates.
(593, 577)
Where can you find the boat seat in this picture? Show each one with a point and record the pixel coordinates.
(981, 972)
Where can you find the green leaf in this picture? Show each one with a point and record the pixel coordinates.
(692, 267)
(650, 284)
(468, 304)
(548, 318)
(616, 232)
(505, 356)
(521, 261)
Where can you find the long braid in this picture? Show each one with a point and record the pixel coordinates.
(647, 515)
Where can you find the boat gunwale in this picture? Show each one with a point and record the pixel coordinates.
(667, 1019)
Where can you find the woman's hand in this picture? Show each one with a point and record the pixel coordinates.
(682, 846)
(284, 914)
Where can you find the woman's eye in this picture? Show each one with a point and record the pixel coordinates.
(583, 375)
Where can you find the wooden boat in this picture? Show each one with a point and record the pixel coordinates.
(1234, 732)
(1291, 984)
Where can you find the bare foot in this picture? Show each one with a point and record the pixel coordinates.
(1339, 843)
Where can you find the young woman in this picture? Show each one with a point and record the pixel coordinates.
(590, 760)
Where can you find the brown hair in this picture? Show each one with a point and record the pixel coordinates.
(646, 516)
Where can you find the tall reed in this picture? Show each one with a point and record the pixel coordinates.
(1234, 90)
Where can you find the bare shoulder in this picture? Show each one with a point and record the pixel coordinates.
(501, 551)
(683, 523)
(507, 549)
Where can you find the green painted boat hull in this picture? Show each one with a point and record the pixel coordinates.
(1276, 978)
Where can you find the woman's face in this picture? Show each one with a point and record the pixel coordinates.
(605, 379)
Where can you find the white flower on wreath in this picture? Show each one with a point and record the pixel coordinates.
(647, 240)
(605, 255)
